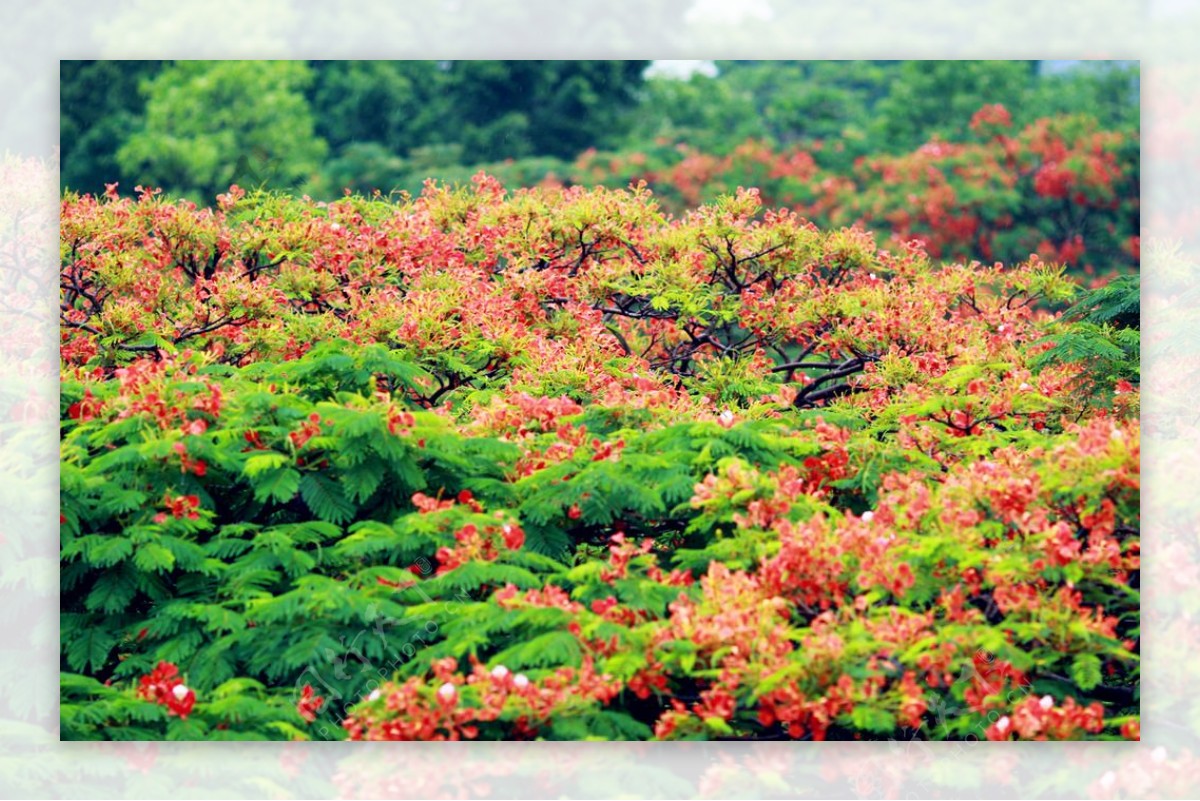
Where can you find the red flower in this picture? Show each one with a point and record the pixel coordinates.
(86, 409)
(181, 701)
(179, 506)
(991, 116)
(426, 505)
(400, 422)
(1042, 719)
(308, 429)
(602, 605)
(514, 536)
(309, 703)
(164, 686)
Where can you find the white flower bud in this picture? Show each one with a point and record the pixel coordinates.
(447, 692)
(179, 691)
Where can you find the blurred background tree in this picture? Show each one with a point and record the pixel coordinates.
(321, 127)
(511, 109)
(939, 97)
(779, 101)
(208, 124)
(100, 106)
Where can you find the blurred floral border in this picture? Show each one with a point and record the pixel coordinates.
(34, 764)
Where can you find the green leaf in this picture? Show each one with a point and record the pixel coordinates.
(118, 501)
(260, 463)
(325, 498)
(89, 648)
(112, 591)
(554, 648)
(1085, 671)
(719, 725)
(613, 725)
(190, 729)
(107, 550)
(278, 484)
(873, 719)
(361, 480)
(153, 558)
(187, 555)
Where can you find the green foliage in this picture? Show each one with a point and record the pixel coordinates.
(393, 104)
(939, 97)
(99, 105)
(780, 101)
(1102, 334)
(509, 109)
(1118, 303)
(212, 124)
(391, 124)
(240, 709)
(270, 599)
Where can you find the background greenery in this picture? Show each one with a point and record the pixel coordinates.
(194, 127)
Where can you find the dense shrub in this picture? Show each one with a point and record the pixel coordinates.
(555, 464)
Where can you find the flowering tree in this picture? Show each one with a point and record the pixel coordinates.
(1062, 187)
(556, 464)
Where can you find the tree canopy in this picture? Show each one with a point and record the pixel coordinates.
(209, 124)
(192, 128)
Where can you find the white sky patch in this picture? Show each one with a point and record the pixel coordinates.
(682, 69)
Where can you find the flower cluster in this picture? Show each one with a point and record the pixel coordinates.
(588, 469)
(180, 506)
(165, 686)
(1043, 719)
(309, 704)
(450, 706)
